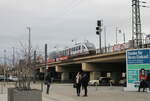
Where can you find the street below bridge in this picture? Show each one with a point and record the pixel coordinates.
(66, 92)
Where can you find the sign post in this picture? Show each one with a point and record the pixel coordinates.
(136, 60)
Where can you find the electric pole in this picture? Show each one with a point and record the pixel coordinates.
(136, 24)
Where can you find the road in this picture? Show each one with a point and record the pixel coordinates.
(65, 92)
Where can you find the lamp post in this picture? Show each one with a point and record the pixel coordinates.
(29, 47)
(105, 38)
(29, 57)
(4, 67)
(124, 37)
(116, 35)
(120, 31)
(123, 33)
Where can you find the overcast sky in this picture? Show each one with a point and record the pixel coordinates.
(57, 22)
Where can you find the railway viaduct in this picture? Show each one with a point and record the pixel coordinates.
(109, 64)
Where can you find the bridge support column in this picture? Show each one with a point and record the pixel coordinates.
(42, 70)
(64, 73)
(88, 67)
(65, 76)
(94, 75)
(59, 68)
(116, 76)
(93, 69)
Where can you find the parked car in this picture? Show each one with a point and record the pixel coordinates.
(106, 81)
(13, 78)
(122, 82)
(93, 82)
(2, 77)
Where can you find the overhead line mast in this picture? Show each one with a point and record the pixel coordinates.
(136, 24)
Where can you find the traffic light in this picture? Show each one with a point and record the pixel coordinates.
(99, 23)
(98, 28)
(97, 32)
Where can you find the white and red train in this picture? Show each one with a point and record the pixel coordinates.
(87, 48)
(80, 49)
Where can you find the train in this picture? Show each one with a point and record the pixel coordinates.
(88, 48)
(80, 49)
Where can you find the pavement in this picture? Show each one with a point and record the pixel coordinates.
(66, 92)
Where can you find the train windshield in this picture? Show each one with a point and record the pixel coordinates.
(90, 46)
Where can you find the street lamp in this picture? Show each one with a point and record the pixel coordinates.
(29, 58)
(120, 31)
(29, 47)
(116, 35)
(124, 37)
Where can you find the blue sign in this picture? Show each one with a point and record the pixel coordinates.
(138, 56)
(136, 60)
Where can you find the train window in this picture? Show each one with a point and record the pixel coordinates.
(59, 53)
(64, 52)
(68, 52)
(79, 47)
(83, 47)
(74, 49)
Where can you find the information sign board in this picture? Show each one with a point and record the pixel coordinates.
(136, 60)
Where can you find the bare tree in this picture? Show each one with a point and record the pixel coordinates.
(24, 67)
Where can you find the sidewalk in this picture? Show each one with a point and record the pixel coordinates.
(56, 97)
(51, 97)
(66, 92)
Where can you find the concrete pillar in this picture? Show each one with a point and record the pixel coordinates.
(42, 70)
(94, 75)
(58, 68)
(88, 67)
(65, 76)
(116, 76)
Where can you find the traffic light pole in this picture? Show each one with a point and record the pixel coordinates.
(46, 67)
(100, 48)
(98, 32)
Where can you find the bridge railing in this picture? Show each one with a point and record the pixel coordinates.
(114, 48)
(123, 46)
